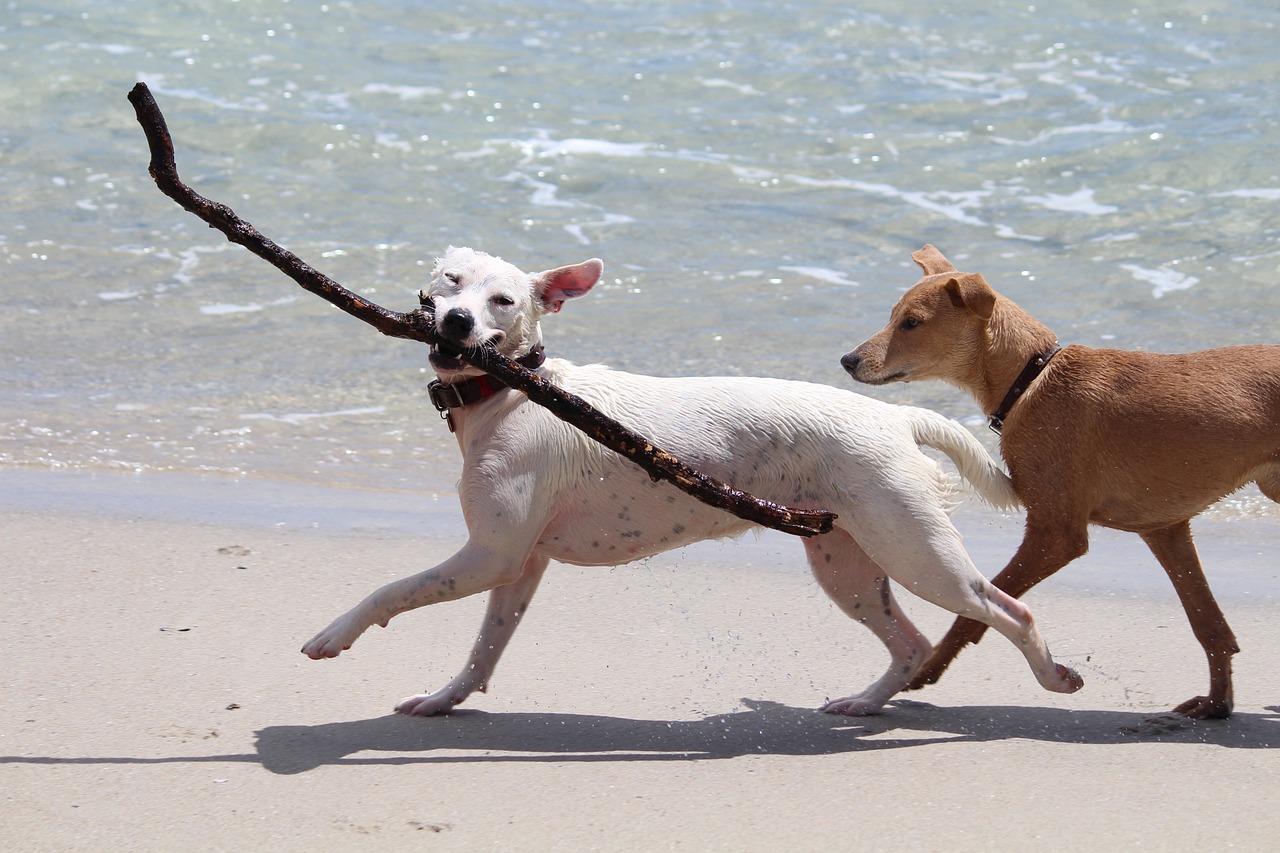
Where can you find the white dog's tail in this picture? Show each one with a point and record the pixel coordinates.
(975, 464)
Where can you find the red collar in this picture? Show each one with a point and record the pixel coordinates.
(460, 394)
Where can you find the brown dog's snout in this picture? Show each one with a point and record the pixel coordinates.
(457, 324)
(850, 362)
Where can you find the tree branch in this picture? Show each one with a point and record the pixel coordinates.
(419, 325)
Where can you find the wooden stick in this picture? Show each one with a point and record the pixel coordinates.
(419, 325)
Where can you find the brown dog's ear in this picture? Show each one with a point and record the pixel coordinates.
(970, 290)
(932, 261)
(553, 287)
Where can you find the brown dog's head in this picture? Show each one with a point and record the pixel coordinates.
(936, 331)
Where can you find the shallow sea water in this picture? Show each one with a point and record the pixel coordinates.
(754, 176)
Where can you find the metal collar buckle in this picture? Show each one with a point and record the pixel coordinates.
(444, 397)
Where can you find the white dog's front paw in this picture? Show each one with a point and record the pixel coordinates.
(431, 704)
(1064, 680)
(334, 640)
(853, 706)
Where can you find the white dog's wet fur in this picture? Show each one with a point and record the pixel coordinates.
(535, 489)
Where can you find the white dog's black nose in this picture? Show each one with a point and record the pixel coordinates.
(457, 324)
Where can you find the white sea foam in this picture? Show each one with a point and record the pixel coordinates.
(1265, 193)
(1163, 280)
(404, 93)
(822, 274)
(992, 88)
(392, 140)
(228, 308)
(580, 147)
(1080, 201)
(155, 82)
(578, 229)
(721, 83)
(1106, 126)
(296, 418)
(250, 308)
(113, 49)
(935, 202)
(544, 193)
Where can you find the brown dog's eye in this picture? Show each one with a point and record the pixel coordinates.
(909, 324)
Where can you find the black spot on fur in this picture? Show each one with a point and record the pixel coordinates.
(678, 529)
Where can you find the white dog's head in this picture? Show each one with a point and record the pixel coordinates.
(482, 300)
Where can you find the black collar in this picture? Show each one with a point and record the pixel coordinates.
(459, 394)
(1034, 368)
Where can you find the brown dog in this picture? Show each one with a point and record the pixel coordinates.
(1129, 440)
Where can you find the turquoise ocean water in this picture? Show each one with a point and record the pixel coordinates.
(754, 175)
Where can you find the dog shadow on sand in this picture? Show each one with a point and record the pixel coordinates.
(761, 728)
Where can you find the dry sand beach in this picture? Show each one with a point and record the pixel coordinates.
(154, 697)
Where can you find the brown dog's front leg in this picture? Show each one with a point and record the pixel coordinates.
(1043, 552)
(1176, 552)
(962, 632)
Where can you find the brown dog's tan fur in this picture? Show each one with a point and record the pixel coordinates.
(1129, 440)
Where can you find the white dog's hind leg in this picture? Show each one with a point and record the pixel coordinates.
(930, 560)
(507, 606)
(861, 589)
(1012, 618)
(471, 570)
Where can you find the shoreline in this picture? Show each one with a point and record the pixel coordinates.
(1236, 550)
(155, 696)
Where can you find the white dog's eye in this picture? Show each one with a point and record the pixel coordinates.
(503, 300)
(453, 278)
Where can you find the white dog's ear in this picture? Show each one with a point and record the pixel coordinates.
(553, 287)
(932, 261)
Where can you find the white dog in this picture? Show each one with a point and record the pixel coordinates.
(535, 489)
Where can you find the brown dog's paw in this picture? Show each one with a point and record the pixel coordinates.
(1204, 708)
